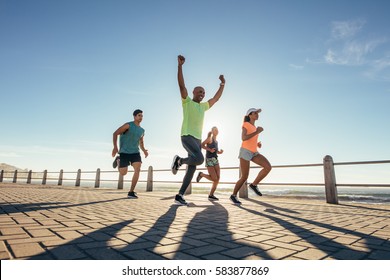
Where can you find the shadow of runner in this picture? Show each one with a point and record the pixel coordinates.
(6, 208)
(93, 245)
(358, 206)
(168, 198)
(327, 245)
(208, 237)
(272, 206)
(143, 246)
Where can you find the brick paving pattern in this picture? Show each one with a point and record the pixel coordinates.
(52, 222)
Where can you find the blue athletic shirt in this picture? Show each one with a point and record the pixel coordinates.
(129, 141)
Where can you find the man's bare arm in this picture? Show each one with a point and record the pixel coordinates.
(180, 77)
(218, 94)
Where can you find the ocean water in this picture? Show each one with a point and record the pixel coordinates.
(347, 194)
(371, 195)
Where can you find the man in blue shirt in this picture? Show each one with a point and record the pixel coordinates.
(131, 137)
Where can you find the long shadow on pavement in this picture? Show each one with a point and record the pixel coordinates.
(93, 245)
(6, 208)
(365, 207)
(79, 247)
(208, 237)
(327, 245)
(141, 248)
(265, 204)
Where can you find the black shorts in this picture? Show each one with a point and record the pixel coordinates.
(128, 159)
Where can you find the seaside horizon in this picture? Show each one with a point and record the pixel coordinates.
(364, 195)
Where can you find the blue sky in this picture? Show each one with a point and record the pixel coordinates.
(71, 72)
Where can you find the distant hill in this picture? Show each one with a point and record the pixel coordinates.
(10, 169)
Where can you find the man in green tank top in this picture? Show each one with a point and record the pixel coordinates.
(192, 126)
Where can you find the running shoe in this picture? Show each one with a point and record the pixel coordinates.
(199, 177)
(132, 195)
(213, 197)
(115, 163)
(180, 200)
(175, 164)
(235, 200)
(255, 189)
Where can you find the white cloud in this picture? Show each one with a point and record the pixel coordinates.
(296, 67)
(379, 67)
(382, 63)
(351, 52)
(5, 154)
(330, 57)
(350, 45)
(346, 29)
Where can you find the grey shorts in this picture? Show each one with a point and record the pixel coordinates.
(246, 154)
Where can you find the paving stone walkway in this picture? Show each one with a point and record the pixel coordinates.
(52, 222)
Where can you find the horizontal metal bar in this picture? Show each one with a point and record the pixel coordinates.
(365, 185)
(362, 162)
(49, 178)
(231, 167)
(168, 182)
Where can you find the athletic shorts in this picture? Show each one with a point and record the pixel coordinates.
(246, 154)
(213, 161)
(128, 159)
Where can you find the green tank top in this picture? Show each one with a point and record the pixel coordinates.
(193, 116)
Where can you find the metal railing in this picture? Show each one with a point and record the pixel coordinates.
(328, 167)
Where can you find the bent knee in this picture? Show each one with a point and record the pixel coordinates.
(215, 179)
(244, 178)
(199, 160)
(123, 172)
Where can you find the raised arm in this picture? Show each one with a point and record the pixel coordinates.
(180, 78)
(218, 94)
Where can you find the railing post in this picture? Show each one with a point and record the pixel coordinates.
(60, 177)
(149, 183)
(78, 178)
(330, 181)
(120, 182)
(189, 188)
(29, 177)
(97, 178)
(15, 176)
(243, 192)
(44, 178)
(1, 175)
